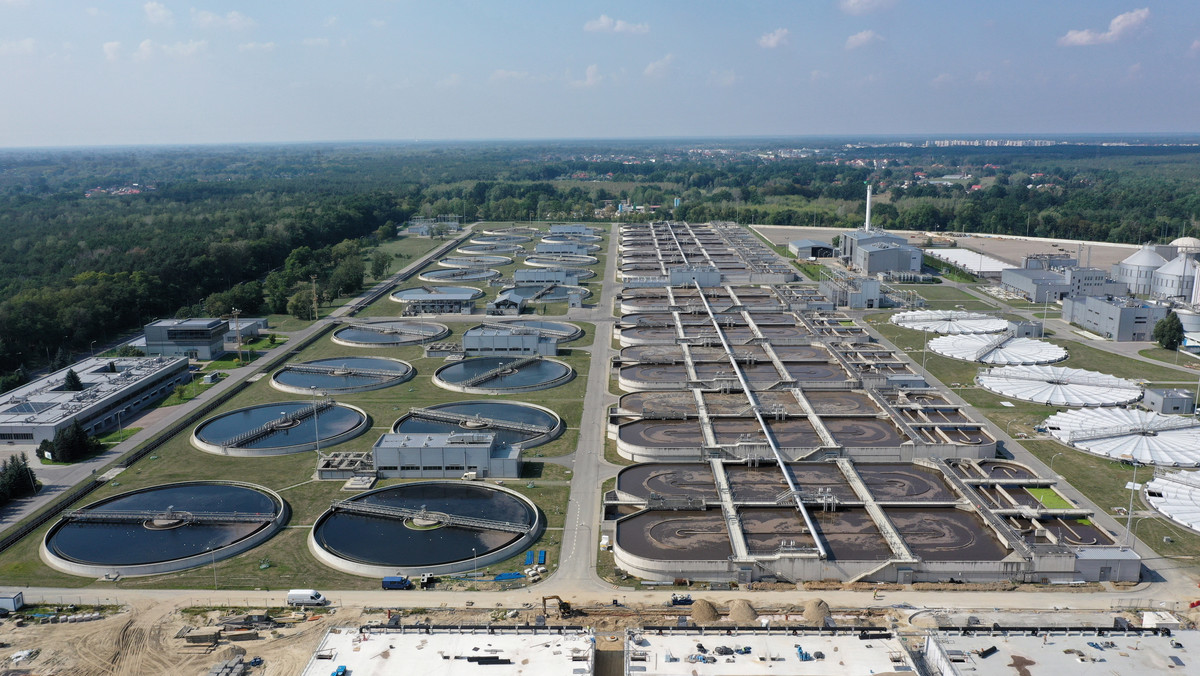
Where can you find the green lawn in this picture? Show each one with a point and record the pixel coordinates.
(1174, 357)
(117, 436)
(1050, 498)
(186, 393)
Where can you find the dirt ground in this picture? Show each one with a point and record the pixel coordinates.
(140, 640)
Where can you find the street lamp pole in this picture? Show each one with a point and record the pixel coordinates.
(1133, 487)
(924, 347)
(316, 421)
(474, 564)
(92, 348)
(214, 567)
(1052, 459)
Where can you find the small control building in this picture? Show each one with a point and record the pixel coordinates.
(201, 338)
(444, 456)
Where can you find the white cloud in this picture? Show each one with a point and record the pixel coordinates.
(591, 77)
(607, 24)
(315, 42)
(1120, 26)
(773, 39)
(862, 39)
(234, 20)
(144, 50)
(1134, 72)
(16, 47)
(817, 75)
(1194, 50)
(330, 21)
(864, 6)
(377, 23)
(93, 11)
(983, 77)
(148, 48)
(722, 78)
(942, 80)
(112, 50)
(450, 81)
(157, 13)
(659, 68)
(189, 48)
(502, 75)
(256, 47)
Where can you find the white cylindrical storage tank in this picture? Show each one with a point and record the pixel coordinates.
(1175, 279)
(1137, 271)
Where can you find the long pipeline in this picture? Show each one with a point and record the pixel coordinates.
(754, 405)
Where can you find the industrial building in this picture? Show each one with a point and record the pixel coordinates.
(1162, 270)
(499, 339)
(1180, 402)
(562, 248)
(112, 389)
(872, 251)
(455, 650)
(571, 229)
(1042, 286)
(506, 303)
(444, 456)
(565, 276)
(202, 339)
(856, 293)
(1119, 319)
(810, 248)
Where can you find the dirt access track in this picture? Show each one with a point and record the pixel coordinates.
(140, 639)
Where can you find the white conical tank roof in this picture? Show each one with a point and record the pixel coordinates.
(1144, 258)
(1186, 243)
(1181, 266)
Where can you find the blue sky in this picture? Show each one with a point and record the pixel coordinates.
(113, 72)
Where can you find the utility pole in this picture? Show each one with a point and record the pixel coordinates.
(314, 294)
(237, 329)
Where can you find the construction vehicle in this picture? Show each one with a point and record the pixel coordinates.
(564, 608)
(680, 600)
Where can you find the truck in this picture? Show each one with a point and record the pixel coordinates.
(306, 597)
(397, 582)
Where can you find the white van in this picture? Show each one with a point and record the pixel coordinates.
(306, 597)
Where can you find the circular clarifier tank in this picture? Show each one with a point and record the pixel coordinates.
(563, 331)
(502, 375)
(163, 529)
(500, 239)
(485, 249)
(546, 293)
(560, 260)
(571, 239)
(459, 275)
(390, 333)
(341, 375)
(436, 527)
(515, 424)
(474, 261)
(424, 292)
(519, 230)
(280, 428)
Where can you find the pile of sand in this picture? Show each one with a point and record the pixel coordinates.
(815, 612)
(741, 612)
(704, 611)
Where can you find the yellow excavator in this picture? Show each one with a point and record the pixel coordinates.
(564, 608)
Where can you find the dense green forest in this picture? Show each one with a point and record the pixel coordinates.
(96, 242)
